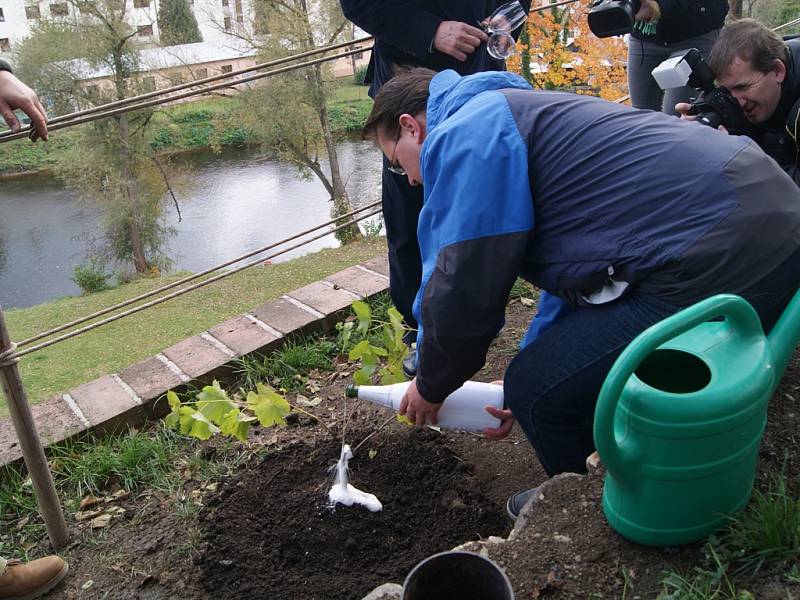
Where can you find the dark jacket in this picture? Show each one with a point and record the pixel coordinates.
(543, 185)
(684, 19)
(404, 31)
(778, 135)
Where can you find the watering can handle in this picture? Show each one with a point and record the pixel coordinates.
(738, 311)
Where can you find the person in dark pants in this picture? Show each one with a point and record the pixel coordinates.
(542, 185)
(443, 34)
(663, 28)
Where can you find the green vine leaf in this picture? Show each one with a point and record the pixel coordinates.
(213, 402)
(269, 407)
(173, 418)
(361, 351)
(364, 315)
(237, 424)
(196, 424)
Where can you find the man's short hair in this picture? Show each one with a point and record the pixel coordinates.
(406, 92)
(748, 40)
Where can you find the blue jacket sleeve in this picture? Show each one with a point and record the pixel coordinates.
(474, 229)
(551, 308)
(399, 23)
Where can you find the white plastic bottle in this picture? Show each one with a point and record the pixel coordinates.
(464, 409)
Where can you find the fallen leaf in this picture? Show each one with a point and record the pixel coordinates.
(372, 453)
(86, 515)
(526, 301)
(89, 501)
(22, 522)
(87, 584)
(316, 401)
(100, 522)
(121, 495)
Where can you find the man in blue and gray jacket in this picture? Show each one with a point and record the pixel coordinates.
(437, 34)
(621, 216)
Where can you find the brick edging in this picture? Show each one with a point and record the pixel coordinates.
(130, 397)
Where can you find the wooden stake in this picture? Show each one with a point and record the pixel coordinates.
(32, 450)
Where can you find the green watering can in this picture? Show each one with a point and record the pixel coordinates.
(680, 416)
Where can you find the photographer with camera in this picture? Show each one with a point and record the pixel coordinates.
(662, 28)
(762, 72)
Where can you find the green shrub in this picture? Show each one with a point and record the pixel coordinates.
(235, 136)
(360, 75)
(197, 115)
(198, 135)
(349, 117)
(91, 276)
(163, 138)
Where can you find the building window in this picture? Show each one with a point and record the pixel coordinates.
(239, 19)
(33, 12)
(144, 30)
(5, 44)
(201, 73)
(226, 68)
(59, 10)
(148, 84)
(91, 91)
(238, 5)
(2, 16)
(224, 2)
(227, 24)
(141, 3)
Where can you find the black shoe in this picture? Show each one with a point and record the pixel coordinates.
(517, 501)
(410, 363)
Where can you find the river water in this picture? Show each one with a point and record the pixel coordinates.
(232, 203)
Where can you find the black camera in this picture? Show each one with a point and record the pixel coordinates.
(612, 17)
(714, 106)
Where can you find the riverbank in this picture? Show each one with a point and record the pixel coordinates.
(113, 347)
(203, 124)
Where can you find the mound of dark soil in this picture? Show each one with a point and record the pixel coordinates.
(270, 533)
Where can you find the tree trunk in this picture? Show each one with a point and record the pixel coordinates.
(736, 9)
(353, 56)
(140, 262)
(341, 203)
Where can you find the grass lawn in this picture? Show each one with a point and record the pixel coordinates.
(347, 91)
(113, 347)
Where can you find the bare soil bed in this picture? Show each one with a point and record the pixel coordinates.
(266, 532)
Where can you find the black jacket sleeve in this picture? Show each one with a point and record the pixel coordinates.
(4, 66)
(401, 24)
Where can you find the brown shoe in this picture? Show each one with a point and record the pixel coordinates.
(26, 581)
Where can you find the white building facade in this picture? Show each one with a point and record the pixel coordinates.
(217, 19)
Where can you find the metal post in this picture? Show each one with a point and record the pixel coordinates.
(32, 450)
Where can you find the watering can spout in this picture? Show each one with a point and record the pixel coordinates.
(785, 335)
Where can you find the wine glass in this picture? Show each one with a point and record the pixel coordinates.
(499, 25)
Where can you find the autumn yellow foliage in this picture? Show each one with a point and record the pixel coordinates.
(564, 55)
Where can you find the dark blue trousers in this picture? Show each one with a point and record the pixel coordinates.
(551, 386)
(401, 206)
